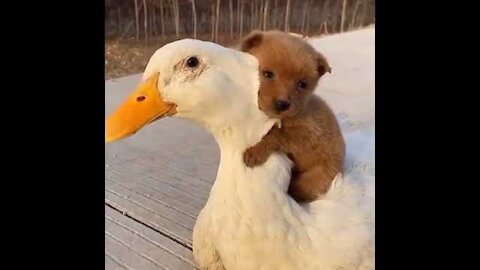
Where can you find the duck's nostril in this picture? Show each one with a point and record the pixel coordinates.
(281, 105)
(140, 98)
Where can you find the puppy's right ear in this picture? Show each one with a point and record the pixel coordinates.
(251, 41)
(322, 64)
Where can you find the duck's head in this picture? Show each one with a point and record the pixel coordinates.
(202, 81)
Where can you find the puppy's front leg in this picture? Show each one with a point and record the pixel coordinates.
(259, 153)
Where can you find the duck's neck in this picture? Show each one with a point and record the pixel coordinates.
(243, 133)
(235, 181)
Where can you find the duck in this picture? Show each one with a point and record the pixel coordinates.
(249, 221)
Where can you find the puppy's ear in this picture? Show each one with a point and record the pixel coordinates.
(251, 41)
(322, 64)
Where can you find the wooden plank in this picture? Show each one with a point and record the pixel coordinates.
(162, 188)
(181, 219)
(113, 264)
(157, 195)
(148, 216)
(153, 236)
(185, 183)
(182, 164)
(160, 169)
(146, 243)
(130, 172)
(146, 166)
(127, 256)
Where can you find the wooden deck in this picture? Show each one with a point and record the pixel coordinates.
(157, 181)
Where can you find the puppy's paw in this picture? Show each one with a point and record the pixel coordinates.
(252, 157)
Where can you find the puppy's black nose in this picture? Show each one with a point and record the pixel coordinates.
(281, 105)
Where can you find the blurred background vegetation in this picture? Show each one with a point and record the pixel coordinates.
(134, 29)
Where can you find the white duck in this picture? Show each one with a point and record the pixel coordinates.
(249, 221)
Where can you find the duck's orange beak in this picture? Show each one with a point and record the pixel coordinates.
(142, 107)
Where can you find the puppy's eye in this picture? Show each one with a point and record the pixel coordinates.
(192, 62)
(268, 74)
(302, 84)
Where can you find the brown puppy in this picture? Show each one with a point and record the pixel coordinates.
(309, 133)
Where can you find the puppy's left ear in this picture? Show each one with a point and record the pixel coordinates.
(254, 39)
(322, 64)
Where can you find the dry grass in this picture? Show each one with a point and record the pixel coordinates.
(126, 56)
(123, 58)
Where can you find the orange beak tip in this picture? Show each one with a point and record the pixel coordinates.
(141, 108)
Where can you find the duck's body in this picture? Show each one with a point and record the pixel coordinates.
(249, 221)
(253, 224)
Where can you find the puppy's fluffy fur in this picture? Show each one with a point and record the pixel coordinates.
(309, 133)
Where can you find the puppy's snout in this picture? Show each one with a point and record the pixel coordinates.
(281, 105)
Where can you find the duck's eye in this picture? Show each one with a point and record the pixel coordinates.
(302, 84)
(192, 62)
(268, 74)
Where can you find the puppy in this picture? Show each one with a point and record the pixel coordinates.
(309, 132)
